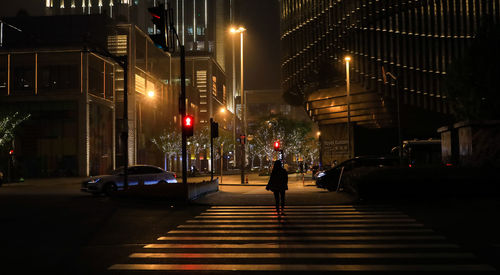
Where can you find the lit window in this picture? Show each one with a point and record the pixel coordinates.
(62, 4)
(48, 3)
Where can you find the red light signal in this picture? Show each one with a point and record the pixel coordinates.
(187, 125)
(277, 145)
(11, 152)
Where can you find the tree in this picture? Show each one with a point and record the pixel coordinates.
(471, 83)
(200, 142)
(8, 125)
(169, 143)
(225, 139)
(293, 136)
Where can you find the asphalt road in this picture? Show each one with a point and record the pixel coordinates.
(52, 226)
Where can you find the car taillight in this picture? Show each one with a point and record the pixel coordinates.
(449, 164)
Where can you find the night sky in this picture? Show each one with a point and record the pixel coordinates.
(262, 43)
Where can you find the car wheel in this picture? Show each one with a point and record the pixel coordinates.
(109, 189)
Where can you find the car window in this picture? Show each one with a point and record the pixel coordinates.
(148, 170)
(134, 171)
(117, 171)
(153, 170)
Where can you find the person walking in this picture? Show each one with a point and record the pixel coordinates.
(278, 183)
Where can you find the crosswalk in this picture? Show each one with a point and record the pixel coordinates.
(330, 238)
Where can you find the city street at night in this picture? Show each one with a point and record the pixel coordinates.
(54, 227)
(249, 136)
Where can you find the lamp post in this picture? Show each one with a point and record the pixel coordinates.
(348, 88)
(241, 30)
(320, 149)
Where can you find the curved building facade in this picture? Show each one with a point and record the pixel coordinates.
(413, 40)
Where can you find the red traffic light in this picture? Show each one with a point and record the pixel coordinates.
(11, 152)
(188, 121)
(277, 145)
(187, 125)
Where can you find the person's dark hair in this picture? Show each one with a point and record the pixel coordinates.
(277, 166)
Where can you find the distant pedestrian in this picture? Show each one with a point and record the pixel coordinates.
(278, 183)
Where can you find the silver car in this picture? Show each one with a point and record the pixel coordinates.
(138, 176)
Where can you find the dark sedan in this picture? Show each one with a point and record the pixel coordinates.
(330, 179)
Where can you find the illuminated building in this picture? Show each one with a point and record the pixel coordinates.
(413, 40)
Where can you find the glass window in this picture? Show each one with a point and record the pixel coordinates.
(135, 170)
(59, 71)
(4, 74)
(96, 76)
(140, 51)
(109, 81)
(22, 76)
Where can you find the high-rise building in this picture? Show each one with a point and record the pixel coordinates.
(414, 41)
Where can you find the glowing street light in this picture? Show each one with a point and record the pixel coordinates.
(151, 93)
(348, 88)
(241, 30)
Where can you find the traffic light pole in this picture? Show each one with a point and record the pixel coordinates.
(183, 114)
(211, 151)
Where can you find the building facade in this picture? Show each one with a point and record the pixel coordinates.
(74, 92)
(415, 41)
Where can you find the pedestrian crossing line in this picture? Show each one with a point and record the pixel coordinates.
(318, 231)
(286, 226)
(301, 221)
(369, 238)
(223, 214)
(296, 267)
(300, 206)
(303, 255)
(305, 211)
(301, 217)
(300, 246)
(298, 238)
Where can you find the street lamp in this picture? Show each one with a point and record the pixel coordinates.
(151, 94)
(241, 30)
(348, 87)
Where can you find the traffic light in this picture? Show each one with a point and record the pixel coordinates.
(243, 139)
(214, 129)
(11, 152)
(159, 18)
(187, 125)
(277, 145)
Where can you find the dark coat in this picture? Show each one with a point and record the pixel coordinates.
(278, 180)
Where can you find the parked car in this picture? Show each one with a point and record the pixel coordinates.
(139, 176)
(329, 179)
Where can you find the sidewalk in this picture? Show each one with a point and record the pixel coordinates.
(254, 193)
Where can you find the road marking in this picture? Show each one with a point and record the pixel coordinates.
(305, 231)
(302, 217)
(303, 255)
(298, 246)
(301, 221)
(287, 226)
(258, 211)
(301, 213)
(299, 238)
(336, 234)
(294, 267)
(303, 207)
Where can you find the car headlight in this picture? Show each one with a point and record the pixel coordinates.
(321, 174)
(94, 180)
